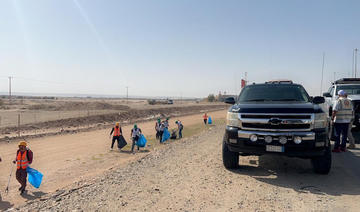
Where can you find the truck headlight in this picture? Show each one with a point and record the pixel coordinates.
(232, 119)
(320, 120)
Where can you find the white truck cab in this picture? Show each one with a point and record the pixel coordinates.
(352, 87)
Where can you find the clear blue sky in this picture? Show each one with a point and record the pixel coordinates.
(173, 47)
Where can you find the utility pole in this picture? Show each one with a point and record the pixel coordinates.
(322, 73)
(246, 82)
(10, 90)
(127, 95)
(355, 60)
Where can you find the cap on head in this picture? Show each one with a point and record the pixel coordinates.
(135, 125)
(167, 119)
(117, 124)
(159, 120)
(22, 143)
(176, 122)
(341, 93)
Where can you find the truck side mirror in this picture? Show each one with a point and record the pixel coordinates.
(326, 94)
(230, 100)
(318, 100)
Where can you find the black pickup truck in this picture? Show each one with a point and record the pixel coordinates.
(277, 118)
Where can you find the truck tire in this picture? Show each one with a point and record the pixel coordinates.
(230, 159)
(322, 164)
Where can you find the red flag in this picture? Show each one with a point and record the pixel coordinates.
(243, 83)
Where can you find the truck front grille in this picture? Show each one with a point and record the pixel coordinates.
(276, 122)
(261, 116)
(280, 126)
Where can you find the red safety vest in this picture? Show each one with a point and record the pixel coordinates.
(116, 131)
(22, 161)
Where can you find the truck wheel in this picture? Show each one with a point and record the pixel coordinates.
(230, 159)
(322, 164)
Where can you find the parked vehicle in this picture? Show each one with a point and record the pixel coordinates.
(277, 117)
(352, 87)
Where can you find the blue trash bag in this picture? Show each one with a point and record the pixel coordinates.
(209, 120)
(34, 177)
(142, 141)
(165, 136)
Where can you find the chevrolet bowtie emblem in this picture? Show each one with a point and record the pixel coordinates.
(275, 121)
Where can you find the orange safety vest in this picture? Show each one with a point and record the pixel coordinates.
(116, 131)
(22, 161)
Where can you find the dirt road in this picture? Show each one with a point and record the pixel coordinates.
(188, 175)
(65, 159)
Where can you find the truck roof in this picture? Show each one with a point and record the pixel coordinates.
(347, 81)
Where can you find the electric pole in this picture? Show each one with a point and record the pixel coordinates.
(322, 73)
(127, 95)
(355, 60)
(10, 90)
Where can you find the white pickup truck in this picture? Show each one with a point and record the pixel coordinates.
(352, 87)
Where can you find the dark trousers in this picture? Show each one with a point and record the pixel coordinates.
(341, 129)
(205, 121)
(180, 133)
(115, 138)
(160, 135)
(157, 134)
(134, 139)
(21, 176)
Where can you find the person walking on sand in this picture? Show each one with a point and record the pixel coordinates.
(116, 136)
(135, 135)
(166, 123)
(161, 130)
(180, 127)
(205, 117)
(350, 136)
(157, 128)
(24, 157)
(341, 116)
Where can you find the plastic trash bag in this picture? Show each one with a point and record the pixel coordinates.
(142, 141)
(34, 177)
(209, 120)
(121, 142)
(166, 135)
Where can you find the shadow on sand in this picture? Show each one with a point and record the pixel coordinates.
(297, 174)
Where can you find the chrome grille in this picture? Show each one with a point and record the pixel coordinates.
(277, 122)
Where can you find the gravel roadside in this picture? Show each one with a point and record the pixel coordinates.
(188, 175)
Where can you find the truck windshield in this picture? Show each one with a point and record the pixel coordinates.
(273, 92)
(349, 89)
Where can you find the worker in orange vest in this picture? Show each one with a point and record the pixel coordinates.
(205, 116)
(117, 133)
(24, 157)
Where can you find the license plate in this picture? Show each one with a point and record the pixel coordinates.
(271, 148)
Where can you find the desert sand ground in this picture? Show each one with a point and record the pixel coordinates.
(65, 159)
(188, 175)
